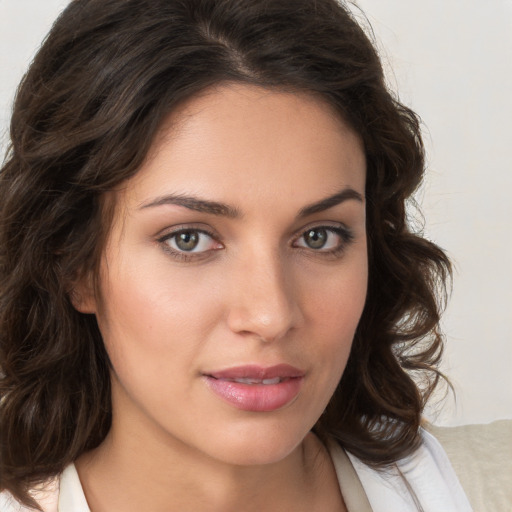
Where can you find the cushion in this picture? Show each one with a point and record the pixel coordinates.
(481, 455)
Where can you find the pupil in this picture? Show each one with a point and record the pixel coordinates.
(316, 238)
(187, 241)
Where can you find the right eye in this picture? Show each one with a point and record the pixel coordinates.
(190, 241)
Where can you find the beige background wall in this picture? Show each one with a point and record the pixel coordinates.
(452, 62)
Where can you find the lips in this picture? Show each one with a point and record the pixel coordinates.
(255, 388)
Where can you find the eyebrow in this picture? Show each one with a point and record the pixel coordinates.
(225, 210)
(196, 204)
(331, 201)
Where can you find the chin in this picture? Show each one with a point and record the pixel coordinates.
(258, 446)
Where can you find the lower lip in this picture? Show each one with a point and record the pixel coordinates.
(256, 397)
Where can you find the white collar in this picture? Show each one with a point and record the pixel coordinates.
(427, 473)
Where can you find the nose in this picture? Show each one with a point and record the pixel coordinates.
(264, 302)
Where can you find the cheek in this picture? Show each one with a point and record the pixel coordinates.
(154, 323)
(336, 299)
(335, 310)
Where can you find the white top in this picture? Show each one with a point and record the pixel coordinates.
(426, 477)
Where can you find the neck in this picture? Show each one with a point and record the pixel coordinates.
(134, 476)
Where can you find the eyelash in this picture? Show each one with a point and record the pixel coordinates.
(345, 234)
(184, 255)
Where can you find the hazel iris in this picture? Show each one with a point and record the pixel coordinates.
(187, 240)
(316, 238)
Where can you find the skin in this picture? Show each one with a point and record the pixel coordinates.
(254, 292)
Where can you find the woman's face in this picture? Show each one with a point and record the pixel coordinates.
(235, 275)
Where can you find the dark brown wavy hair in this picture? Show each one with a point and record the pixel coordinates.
(84, 117)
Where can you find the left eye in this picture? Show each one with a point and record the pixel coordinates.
(190, 240)
(321, 238)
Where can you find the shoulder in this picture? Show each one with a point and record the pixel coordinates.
(9, 504)
(47, 497)
(425, 478)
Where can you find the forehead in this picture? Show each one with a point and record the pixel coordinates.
(241, 142)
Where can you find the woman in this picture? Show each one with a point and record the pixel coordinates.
(209, 291)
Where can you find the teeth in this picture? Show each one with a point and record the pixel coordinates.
(275, 380)
(247, 381)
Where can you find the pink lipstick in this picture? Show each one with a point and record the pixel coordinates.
(257, 389)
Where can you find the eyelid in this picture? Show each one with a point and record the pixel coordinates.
(343, 231)
(172, 232)
(333, 226)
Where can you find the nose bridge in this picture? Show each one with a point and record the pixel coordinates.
(264, 303)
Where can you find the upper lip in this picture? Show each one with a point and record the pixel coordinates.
(284, 371)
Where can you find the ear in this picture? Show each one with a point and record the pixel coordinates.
(82, 295)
